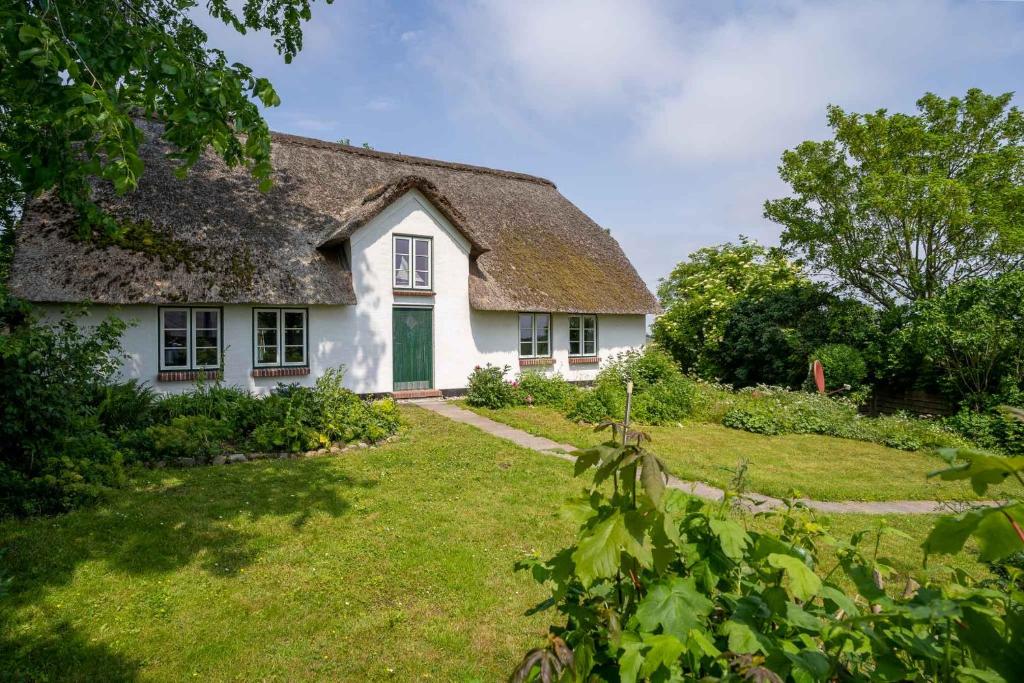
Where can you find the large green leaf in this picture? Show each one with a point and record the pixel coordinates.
(665, 650)
(982, 469)
(803, 582)
(631, 659)
(675, 605)
(991, 527)
(598, 552)
(742, 638)
(731, 535)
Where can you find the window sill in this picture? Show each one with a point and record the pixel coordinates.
(188, 375)
(412, 292)
(280, 372)
(525, 362)
(584, 360)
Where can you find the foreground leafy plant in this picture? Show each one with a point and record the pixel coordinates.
(662, 586)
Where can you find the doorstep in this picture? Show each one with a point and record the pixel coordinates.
(415, 393)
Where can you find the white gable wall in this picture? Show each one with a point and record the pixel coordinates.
(359, 337)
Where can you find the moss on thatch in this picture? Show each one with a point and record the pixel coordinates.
(214, 238)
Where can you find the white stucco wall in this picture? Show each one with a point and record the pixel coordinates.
(359, 337)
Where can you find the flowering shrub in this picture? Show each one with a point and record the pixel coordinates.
(488, 389)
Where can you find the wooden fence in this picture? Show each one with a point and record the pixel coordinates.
(886, 402)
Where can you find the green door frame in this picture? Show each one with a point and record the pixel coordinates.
(412, 347)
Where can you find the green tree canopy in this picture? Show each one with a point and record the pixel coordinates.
(699, 293)
(974, 332)
(75, 71)
(897, 207)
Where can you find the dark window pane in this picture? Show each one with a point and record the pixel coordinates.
(401, 247)
(266, 319)
(422, 247)
(422, 278)
(525, 327)
(574, 347)
(294, 319)
(542, 348)
(543, 327)
(589, 348)
(294, 354)
(266, 354)
(574, 323)
(206, 357)
(206, 339)
(175, 319)
(293, 338)
(175, 339)
(422, 263)
(175, 358)
(206, 319)
(526, 348)
(266, 338)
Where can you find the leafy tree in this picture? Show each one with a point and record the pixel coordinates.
(698, 294)
(898, 207)
(769, 336)
(973, 332)
(75, 71)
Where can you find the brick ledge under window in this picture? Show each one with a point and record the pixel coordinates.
(187, 375)
(584, 360)
(536, 361)
(412, 292)
(279, 372)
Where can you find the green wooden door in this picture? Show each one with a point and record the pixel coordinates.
(413, 348)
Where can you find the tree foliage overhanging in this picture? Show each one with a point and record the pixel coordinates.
(897, 207)
(75, 71)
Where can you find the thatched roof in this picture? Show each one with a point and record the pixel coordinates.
(214, 238)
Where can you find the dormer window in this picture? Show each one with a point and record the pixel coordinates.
(412, 267)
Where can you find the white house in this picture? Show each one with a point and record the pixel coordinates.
(407, 271)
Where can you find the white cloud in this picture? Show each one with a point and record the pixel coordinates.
(696, 88)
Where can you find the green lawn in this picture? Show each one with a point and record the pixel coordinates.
(385, 564)
(818, 467)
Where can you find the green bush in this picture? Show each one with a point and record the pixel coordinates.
(50, 374)
(488, 389)
(126, 406)
(661, 394)
(770, 410)
(843, 364)
(670, 400)
(658, 585)
(190, 436)
(536, 388)
(587, 406)
(989, 429)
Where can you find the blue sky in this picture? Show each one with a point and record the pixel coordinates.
(664, 121)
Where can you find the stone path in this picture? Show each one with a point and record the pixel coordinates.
(697, 488)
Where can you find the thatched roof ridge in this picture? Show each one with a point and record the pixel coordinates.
(380, 198)
(214, 238)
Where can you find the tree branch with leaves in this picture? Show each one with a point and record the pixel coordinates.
(77, 72)
(897, 207)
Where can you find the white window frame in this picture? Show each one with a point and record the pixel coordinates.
(583, 337)
(192, 338)
(533, 335)
(188, 338)
(281, 362)
(413, 241)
